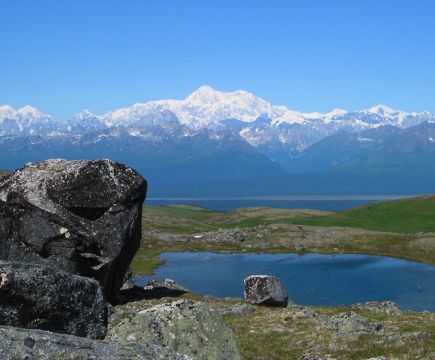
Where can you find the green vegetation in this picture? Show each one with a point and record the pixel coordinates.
(192, 219)
(287, 334)
(403, 230)
(272, 333)
(401, 216)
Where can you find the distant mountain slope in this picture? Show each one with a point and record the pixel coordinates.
(206, 154)
(384, 149)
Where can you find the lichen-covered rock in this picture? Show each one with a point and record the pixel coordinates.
(40, 297)
(382, 307)
(310, 357)
(17, 344)
(184, 326)
(349, 325)
(83, 217)
(238, 309)
(265, 290)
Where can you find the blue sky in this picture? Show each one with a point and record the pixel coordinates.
(63, 56)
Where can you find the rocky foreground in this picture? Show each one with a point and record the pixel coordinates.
(68, 233)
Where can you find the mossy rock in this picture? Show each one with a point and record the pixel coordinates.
(184, 326)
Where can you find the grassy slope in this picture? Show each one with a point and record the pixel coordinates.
(193, 219)
(401, 216)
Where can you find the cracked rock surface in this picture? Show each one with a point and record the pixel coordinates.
(80, 216)
(40, 297)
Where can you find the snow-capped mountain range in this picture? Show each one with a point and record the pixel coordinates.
(207, 106)
(276, 131)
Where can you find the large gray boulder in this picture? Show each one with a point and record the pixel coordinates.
(184, 326)
(36, 296)
(16, 343)
(83, 217)
(265, 290)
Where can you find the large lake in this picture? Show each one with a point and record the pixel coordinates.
(311, 279)
(317, 202)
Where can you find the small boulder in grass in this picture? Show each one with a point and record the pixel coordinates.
(265, 290)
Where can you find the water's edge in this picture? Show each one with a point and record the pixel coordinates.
(310, 279)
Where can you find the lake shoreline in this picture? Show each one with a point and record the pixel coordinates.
(311, 279)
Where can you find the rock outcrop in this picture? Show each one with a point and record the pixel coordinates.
(16, 343)
(349, 325)
(310, 357)
(265, 290)
(155, 289)
(382, 307)
(185, 326)
(165, 287)
(83, 217)
(40, 297)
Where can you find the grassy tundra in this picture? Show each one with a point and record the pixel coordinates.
(403, 228)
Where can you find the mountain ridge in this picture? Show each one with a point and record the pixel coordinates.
(277, 131)
(217, 135)
(210, 106)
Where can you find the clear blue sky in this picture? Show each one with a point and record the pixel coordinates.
(62, 56)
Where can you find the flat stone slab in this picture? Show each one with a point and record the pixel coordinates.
(17, 343)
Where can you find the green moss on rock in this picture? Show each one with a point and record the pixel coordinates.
(186, 326)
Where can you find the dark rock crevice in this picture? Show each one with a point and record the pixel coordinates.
(80, 216)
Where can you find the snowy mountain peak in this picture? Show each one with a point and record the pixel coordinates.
(382, 110)
(336, 112)
(206, 105)
(6, 111)
(6, 108)
(204, 91)
(84, 114)
(27, 114)
(204, 94)
(30, 111)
